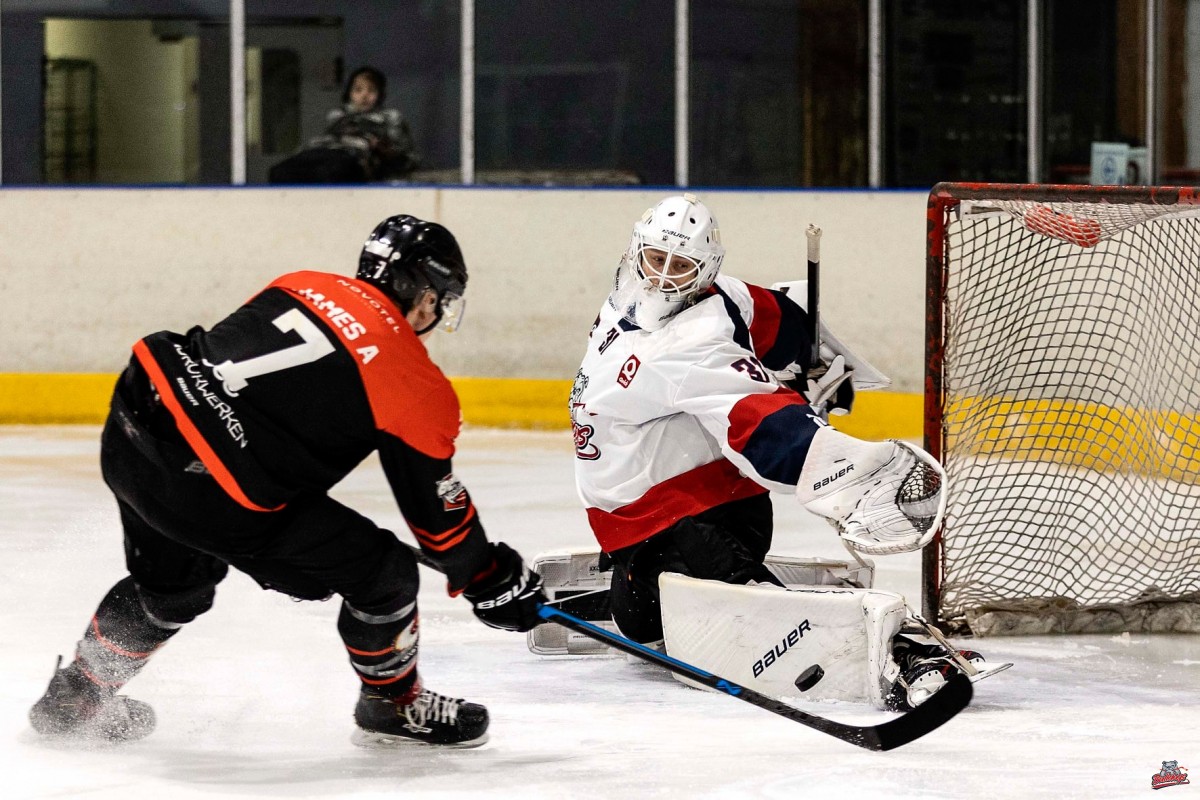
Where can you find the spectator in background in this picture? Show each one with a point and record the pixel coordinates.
(363, 141)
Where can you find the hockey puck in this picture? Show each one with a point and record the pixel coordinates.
(809, 678)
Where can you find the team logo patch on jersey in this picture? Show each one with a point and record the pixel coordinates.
(628, 371)
(584, 449)
(452, 493)
(609, 338)
(577, 389)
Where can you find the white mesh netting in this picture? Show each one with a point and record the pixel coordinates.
(1071, 418)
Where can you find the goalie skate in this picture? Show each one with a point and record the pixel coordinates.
(922, 677)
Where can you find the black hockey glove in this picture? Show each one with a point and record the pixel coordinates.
(507, 595)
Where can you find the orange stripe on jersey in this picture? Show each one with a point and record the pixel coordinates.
(446, 539)
(191, 433)
(437, 537)
(444, 546)
(410, 398)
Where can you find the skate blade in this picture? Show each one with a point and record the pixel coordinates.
(372, 740)
(989, 671)
(91, 736)
(102, 730)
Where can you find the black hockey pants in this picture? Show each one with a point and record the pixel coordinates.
(182, 531)
(727, 543)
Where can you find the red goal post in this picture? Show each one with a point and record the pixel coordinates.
(1062, 394)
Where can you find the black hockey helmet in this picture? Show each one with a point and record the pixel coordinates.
(405, 256)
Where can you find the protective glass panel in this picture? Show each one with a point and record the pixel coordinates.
(778, 93)
(575, 94)
(955, 107)
(1095, 90)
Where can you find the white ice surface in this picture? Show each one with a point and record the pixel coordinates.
(254, 698)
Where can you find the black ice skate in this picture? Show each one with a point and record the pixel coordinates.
(429, 719)
(924, 668)
(75, 707)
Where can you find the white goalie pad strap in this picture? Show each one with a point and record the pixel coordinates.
(865, 376)
(572, 572)
(814, 644)
(883, 497)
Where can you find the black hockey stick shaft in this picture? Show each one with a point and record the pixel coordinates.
(930, 715)
(814, 293)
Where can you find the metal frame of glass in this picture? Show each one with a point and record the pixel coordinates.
(876, 88)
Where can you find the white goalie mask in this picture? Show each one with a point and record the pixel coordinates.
(674, 255)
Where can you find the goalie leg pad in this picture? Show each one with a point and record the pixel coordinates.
(883, 497)
(726, 543)
(770, 639)
(578, 580)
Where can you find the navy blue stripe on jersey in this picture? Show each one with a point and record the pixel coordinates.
(741, 334)
(792, 340)
(779, 446)
(773, 432)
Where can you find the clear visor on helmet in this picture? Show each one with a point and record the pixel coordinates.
(452, 307)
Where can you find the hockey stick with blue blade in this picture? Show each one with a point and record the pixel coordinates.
(930, 715)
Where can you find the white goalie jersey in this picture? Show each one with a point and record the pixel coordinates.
(672, 422)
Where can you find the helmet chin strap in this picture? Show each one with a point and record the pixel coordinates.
(437, 310)
(436, 321)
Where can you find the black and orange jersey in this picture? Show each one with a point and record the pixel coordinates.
(290, 392)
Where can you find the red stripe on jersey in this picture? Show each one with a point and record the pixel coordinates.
(191, 433)
(686, 495)
(752, 409)
(765, 327)
(409, 396)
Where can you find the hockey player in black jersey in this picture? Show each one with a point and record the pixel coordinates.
(221, 447)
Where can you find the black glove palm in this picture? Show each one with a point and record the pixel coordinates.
(507, 595)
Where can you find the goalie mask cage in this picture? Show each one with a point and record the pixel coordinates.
(1062, 394)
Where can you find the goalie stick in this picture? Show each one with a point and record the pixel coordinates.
(814, 293)
(930, 715)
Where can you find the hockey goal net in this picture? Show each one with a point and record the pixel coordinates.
(1062, 394)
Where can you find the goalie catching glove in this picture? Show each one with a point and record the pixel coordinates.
(506, 594)
(882, 497)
